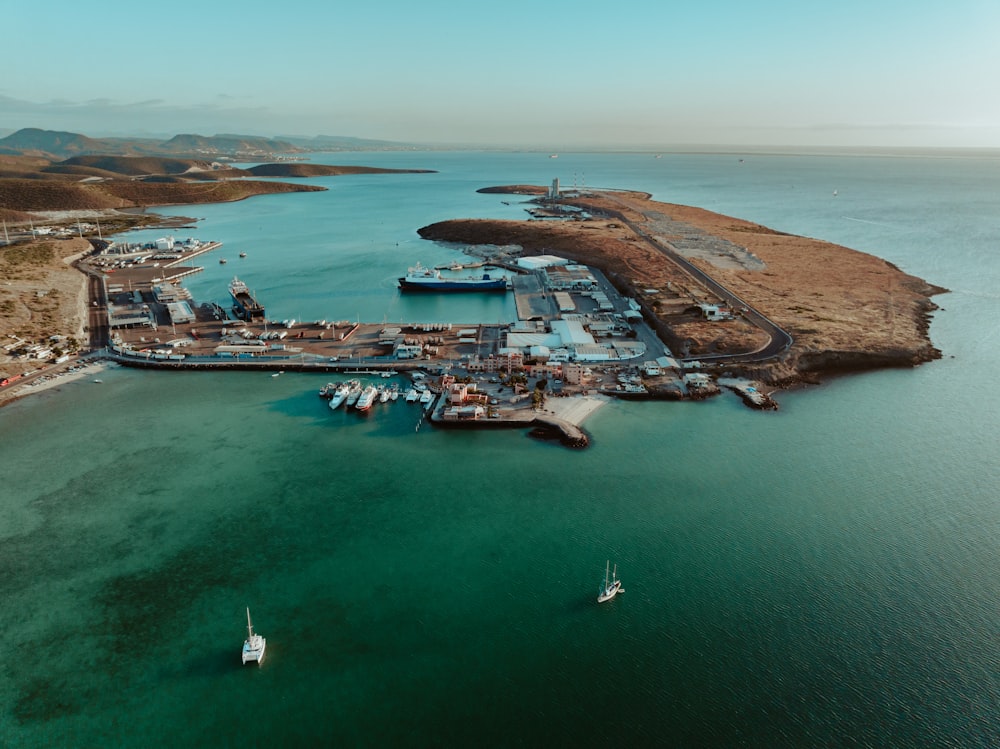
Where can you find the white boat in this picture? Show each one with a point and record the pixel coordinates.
(411, 395)
(366, 398)
(340, 394)
(354, 394)
(394, 392)
(419, 278)
(253, 646)
(384, 394)
(426, 396)
(612, 585)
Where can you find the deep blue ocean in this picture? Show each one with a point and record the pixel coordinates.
(826, 575)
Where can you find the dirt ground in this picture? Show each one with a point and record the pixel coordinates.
(830, 298)
(844, 309)
(41, 296)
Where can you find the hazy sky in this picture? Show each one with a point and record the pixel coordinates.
(551, 74)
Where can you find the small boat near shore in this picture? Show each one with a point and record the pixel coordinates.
(354, 393)
(367, 397)
(340, 394)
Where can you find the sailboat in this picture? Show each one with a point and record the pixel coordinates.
(253, 647)
(612, 585)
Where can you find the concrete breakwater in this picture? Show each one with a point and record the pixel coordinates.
(542, 425)
(560, 420)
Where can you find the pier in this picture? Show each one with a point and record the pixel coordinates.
(588, 341)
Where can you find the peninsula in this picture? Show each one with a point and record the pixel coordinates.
(773, 307)
(703, 300)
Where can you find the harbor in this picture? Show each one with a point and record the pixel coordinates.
(576, 338)
(761, 546)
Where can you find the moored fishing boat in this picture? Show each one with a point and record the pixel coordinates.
(340, 394)
(244, 305)
(354, 393)
(367, 397)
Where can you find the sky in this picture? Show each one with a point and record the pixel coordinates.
(557, 74)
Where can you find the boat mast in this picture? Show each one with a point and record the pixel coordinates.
(249, 623)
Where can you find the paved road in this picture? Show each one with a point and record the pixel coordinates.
(780, 340)
(97, 319)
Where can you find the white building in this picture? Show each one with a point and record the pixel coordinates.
(180, 312)
(565, 301)
(537, 262)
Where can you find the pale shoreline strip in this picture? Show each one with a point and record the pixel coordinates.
(575, 409)
(54, 379)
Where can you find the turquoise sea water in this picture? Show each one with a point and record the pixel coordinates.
(819, 576)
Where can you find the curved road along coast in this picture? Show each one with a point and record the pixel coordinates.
(780, 341)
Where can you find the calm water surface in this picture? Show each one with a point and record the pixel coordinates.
(820, 576)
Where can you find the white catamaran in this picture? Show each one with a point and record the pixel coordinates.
(253, 647)
(612, 585)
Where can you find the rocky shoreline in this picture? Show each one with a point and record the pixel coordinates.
(850, 313)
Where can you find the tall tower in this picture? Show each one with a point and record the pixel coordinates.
(554, 190)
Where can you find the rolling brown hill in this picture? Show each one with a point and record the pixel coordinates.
(101, 182)
(133, 166)
(299, 169)
(57, 145)
(59, 195)
(56, 195)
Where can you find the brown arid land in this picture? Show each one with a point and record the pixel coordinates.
(43, 297)
(842, 310)
(30, 185)
(43, 300)
(845, 310)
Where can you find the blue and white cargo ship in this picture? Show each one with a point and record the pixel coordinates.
(420, 278)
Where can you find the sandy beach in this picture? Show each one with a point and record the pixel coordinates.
(67, 372)
(575, 409)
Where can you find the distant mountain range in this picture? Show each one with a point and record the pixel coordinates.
(56, 145)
